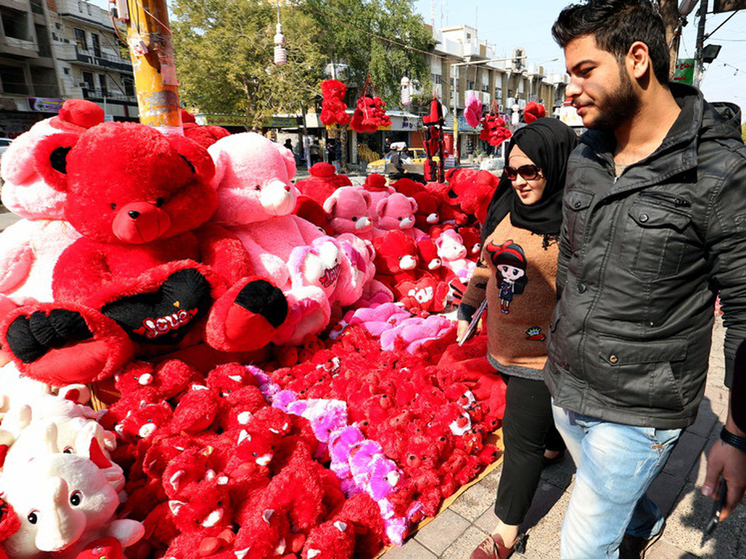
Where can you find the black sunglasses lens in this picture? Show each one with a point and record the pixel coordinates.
(510, 173)
(528, 172)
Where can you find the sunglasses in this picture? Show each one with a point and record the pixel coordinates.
(528, 172)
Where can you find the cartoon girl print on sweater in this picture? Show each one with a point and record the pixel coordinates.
(510, 261)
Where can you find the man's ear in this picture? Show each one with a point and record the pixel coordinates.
(51, 158)
(638, 60)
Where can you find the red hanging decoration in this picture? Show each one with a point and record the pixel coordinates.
(494, 128)
(434, 123)
(333, 106)
(370, 113)
(533, 111)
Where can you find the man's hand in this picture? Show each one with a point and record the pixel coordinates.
(727, 461)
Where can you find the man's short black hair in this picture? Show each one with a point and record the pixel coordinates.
(615, 25)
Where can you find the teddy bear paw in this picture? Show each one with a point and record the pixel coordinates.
(30, 337)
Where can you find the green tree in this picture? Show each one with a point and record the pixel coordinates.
(224, 58)
(351, 37)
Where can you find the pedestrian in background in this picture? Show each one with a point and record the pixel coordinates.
(516, 274)
(653, 228)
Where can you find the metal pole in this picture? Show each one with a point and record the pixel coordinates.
(152, 52)
(699, 70)
(455, 115)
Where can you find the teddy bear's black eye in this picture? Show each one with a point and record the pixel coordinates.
(354, 219)
(257, 187)
(76, 498)
(32, 517)
(113, 206)
(159, 202)
(401, 218)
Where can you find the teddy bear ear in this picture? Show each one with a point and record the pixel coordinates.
(196, 156)
(50, 159)
(413, 203)
(330, 202)
(366, 196)
(288, 159)
(381, 206)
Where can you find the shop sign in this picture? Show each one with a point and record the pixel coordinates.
(240, 120)
(45, 105)
(684, 72)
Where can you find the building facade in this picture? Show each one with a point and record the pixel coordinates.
(462, 65)
(52, 50)
(90, 63)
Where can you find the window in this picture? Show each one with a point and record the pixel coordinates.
(88, 79)
(102, 82)
(14, 80)
(129, 87)
(498, 93)
(468, 36)
(435, 78)
(80, 39)
(96, 45)
(470, 85)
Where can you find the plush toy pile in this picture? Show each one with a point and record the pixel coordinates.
(170, 263)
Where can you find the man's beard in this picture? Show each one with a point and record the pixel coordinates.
(618, 106)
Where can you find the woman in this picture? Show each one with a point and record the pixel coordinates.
(517, 274)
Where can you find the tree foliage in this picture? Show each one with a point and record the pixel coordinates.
(224, 57)
(352, 36)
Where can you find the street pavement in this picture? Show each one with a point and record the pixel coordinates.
(460, 528)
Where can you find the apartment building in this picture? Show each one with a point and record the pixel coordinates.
(52, 50)
(27, 66)
(90, 62)
(462, 65)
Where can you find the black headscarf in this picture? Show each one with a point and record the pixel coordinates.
(548, 143)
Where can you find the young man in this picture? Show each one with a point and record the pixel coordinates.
(654, 227)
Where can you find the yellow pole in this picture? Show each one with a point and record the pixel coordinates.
(152, 54)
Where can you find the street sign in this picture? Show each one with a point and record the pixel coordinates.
(684, 72)
(721, 6)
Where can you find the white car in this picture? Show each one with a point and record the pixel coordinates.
(4, 143)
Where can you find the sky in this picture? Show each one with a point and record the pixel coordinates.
(514, 23)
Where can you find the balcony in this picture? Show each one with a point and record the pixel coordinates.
(71, 53)
(84, 11)
(94, 94)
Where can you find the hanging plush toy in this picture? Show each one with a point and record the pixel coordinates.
(494, 128)
(434, 123)
(370, 113)
(333, 108)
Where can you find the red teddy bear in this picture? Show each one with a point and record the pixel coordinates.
(148, 276)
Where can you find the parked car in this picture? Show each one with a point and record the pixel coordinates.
(415, 167)
(4, 143)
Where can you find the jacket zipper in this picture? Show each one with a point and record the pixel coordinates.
(677, 201)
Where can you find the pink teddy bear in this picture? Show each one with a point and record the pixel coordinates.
(397, 213)
(256, 197)
(452, 251)
(349, 210)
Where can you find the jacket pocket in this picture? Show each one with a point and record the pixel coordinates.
(640, 373)
(654, 240)
(577, 203)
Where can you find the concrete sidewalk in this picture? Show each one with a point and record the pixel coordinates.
(459, 529)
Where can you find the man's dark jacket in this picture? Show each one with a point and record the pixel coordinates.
(642, 258)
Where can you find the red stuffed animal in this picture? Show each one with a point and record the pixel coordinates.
(471, 191)
(322, 183)
(147, 277)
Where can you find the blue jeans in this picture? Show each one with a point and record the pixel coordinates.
(616, 465)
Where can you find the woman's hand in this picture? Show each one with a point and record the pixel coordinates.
(461, 329)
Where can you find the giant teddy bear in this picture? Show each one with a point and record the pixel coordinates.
(253, 181)
(148, 275)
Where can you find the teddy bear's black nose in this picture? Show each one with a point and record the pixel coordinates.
(133, 214)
